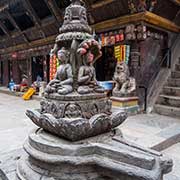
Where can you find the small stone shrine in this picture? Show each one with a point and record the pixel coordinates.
(78, 138)
(124, 93)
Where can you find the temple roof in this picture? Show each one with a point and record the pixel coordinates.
(24, 22)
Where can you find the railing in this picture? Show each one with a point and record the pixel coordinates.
(164, 62)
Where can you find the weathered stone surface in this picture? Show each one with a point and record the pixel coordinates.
(174, 91)
(75, 105)
(175, 74)
(77, 128)
(173, 101)
(175, 82)
(167, 110)
(102, 157)
(8, 163)
(77, 113)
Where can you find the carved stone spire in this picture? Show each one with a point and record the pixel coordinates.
(75, 19)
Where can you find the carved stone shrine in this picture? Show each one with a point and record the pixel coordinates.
(78, 137)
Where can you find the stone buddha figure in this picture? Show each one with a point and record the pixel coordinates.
(87, 75)
(63, 80)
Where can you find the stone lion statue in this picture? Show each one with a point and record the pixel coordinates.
(125, 85)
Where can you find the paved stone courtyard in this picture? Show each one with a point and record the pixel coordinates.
(158, 132)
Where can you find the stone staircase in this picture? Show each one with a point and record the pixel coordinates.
(168, 102)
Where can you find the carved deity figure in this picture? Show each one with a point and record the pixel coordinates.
(87, 76)
(89, 51)
(125, 85)
(63, 80)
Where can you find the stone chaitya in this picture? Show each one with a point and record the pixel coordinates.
(78, 138)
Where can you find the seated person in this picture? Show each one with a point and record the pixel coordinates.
(23, 86)
(36, 85)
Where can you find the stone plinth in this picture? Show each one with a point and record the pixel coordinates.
(104, 157)
(128, 104)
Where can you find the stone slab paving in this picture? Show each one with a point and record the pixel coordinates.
(14, 129)
(174, 153)
(146, 130)
(156, 132)
(12, 111)
(8, 163)
(149, 130)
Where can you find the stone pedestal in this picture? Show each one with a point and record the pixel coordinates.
(83, 142)
(104, 157)
(128, 104)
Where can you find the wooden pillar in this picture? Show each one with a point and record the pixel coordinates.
(135, 59)
(1, 72)
(5, 73)
(29, 68)
(15, 72)
(45, 70)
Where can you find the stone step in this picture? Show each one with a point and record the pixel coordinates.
(175, 82)
(174, 91)
(175, 74)
(173, 152)
(167, 110)
(177, 67)
(8, 163)
(162, 140)
(169, 100)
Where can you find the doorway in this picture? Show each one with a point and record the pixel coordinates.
(1, 73)
(37, 68)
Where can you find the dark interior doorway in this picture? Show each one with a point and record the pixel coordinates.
(1, 73)
(37, 68)
(105, 66)
(10, 74)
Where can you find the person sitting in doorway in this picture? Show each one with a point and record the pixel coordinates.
(37, 84)
(23, 86)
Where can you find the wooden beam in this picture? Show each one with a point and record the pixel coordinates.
(176, 2)
(31, 12)
(12, 20)
(2, 8)
(4, 29)
(15, 25)
(161, 22)
(33, 44)
(117, 22)
(101, 3)
(147, 17)
(89, 11)
(33, 15)
(54, 9)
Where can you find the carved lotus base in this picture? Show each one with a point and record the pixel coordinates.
(75, 129)
(104, 157)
